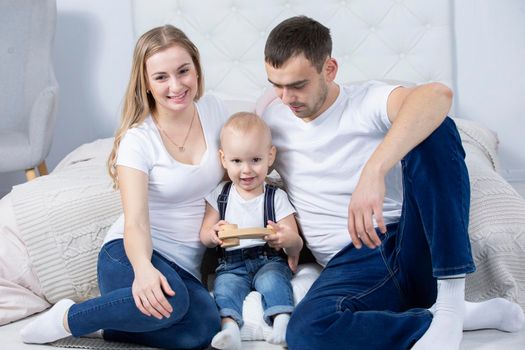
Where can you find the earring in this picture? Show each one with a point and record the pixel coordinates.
(147, 91)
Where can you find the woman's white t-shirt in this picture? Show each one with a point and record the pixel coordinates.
(321, 161)
(176, 191)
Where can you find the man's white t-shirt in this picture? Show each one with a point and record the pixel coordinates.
(176, 191)
(249, 212)
(321, 161)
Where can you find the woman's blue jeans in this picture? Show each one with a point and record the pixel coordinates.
(192, 324)
(377, 298)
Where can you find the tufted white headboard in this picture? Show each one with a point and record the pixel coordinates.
(408, 40)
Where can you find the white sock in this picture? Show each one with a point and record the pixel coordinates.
(446, 329)
(497, 313)
(229, 338)
(48, 327)
(252, 331)
(278, 335)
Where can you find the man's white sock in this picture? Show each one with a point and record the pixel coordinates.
(278, 335)
(229, 338)
(446, 329)
(497, 313)
(48, 327)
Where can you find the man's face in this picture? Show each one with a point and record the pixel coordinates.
(300, 86)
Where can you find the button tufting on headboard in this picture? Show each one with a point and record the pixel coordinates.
(384, 39)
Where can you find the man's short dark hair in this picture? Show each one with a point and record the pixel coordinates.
(295, 36)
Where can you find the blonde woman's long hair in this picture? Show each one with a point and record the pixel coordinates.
(137, 102)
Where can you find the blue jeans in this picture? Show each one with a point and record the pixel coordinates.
(377, 298)
(243, 270)
(192, 324)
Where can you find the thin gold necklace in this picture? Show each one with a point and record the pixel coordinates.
(181, 147)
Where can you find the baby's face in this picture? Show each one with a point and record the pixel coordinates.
(246, 157)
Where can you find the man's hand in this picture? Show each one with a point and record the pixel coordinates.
(365, 204)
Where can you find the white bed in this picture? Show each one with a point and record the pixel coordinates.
(394, 40)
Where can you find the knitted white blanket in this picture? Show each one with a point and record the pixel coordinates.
(63, 219)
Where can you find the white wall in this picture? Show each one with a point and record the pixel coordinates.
(92, 54)
(94, 42)
(491, 74)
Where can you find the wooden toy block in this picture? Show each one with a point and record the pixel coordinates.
(231, 235)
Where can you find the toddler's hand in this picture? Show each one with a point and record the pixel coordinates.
(280, 239)
(213, 233)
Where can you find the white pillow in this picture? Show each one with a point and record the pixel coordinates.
(497, 221)
(20, 291)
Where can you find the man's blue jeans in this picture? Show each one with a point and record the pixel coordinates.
(192, 324)
(377, 298)
(244, 270)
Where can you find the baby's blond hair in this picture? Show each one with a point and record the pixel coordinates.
(244, 122)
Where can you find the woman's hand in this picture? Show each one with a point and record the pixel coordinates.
(148, 291)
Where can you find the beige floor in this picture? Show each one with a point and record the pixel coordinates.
(475, 340)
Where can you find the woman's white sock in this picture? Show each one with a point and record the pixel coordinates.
(48, 327)
(229, 338)
(446, 329)
(278, 335)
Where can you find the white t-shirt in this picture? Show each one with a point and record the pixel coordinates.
(249, 212)
(321, 161)
(176, 191)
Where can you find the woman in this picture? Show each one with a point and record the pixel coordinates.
(164, 162)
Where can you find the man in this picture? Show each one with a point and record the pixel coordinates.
(393, 238)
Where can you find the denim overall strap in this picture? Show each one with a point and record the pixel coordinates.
(269, 206)
(222, 200)
(269, 214)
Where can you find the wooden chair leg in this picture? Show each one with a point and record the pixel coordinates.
(31, 174)
(42, 168)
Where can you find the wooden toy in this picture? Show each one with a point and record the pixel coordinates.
(231, 235)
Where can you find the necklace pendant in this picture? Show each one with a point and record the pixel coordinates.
(181, 149)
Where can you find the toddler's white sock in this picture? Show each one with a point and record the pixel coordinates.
(446, 329)
(48, 327)
(497, 313)
(251, 331)
(229, 338)
(278, 335)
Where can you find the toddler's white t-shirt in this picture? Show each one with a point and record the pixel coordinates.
(247, 213)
